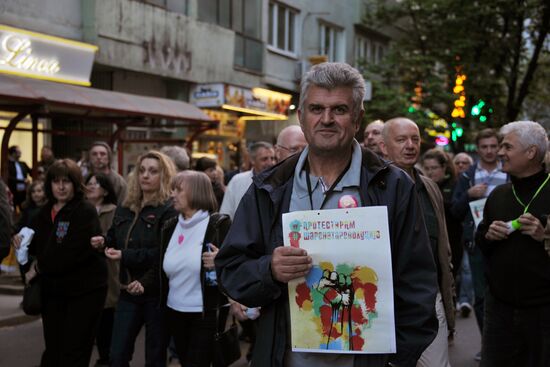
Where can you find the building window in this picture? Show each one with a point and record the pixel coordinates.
(331, 42)
(282, 28)
(215, 12)
(246, 21)
(243, 17)
(368, 51)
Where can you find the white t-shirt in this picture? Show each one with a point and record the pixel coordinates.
(236, 188)
(182, 263)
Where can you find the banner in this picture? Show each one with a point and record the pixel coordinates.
(476, 207)
(345, 303)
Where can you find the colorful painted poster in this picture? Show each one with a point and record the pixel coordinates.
(476, 207)
(345, 303)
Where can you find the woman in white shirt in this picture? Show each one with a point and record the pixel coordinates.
(189, 289)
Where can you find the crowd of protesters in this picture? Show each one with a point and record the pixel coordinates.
(115, 255)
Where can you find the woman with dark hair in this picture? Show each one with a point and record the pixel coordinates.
(440, 168)
(189, 244)
(73, 274)
(36, 199)
(133, 240)
(101, 194)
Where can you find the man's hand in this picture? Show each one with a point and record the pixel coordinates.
(239, 311)
(531, 226)
(289, 263)
(498, 230)
(113, 254)
(135, 288)
(477, 191)
(97, 242)
(16, 241)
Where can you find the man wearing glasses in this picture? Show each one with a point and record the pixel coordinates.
(290, 141)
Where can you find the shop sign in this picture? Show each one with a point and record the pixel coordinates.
(207, 95)
(258, 99)
(41, 56)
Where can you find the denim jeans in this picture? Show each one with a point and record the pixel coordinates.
(515, 337)
(466, 292)
(131, 314)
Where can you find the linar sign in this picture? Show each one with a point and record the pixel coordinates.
(41, 56)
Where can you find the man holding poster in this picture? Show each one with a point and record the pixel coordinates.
(333, 172)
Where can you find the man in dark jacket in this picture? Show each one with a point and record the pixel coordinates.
(511, 236)
(253, 266)
(18, 176)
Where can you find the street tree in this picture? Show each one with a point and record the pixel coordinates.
(496, 44)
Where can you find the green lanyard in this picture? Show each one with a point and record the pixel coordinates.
(526, 207)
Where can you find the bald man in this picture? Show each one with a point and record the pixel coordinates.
(373, 136)
(401, 143)
(291, 140)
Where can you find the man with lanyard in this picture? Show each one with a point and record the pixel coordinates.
(475, 184)
(511, 236)
(333, 171)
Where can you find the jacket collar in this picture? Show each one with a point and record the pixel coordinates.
(275, 179)
(106, 208)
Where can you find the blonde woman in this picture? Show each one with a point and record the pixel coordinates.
(134, 239)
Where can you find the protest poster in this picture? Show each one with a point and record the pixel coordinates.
(345, 303)
(476, 208)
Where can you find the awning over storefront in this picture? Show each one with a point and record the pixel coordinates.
(45, 99)
(59, 98)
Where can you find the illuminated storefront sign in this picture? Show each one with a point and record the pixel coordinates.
(46, 57)
(207, 95)
(256, 101)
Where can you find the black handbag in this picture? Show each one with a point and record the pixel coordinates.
(32, 297)
(227, 347)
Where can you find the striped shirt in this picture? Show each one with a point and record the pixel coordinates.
(492, 179)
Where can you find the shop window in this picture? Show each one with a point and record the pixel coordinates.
(331, 42)
(282, 28)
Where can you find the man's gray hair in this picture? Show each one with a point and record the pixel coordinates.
(529, 133)
(253, 150)
(178, 155)
(330, 75)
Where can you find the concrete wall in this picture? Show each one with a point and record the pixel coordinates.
(136, 36)
(60, 18)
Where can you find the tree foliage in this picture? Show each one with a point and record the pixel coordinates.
(498, 44)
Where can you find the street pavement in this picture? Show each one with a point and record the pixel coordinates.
(22, 342)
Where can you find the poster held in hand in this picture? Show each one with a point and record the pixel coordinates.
(345, 303)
